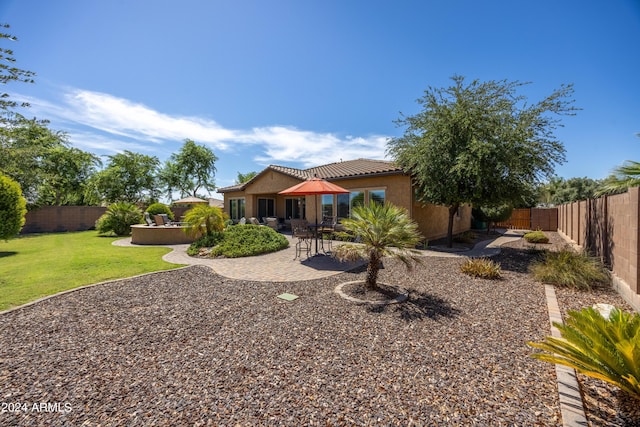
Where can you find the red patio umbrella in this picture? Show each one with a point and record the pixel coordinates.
(314, 186)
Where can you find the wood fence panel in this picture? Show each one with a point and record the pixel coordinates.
(520, 219)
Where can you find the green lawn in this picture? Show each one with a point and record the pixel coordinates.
(34, 266)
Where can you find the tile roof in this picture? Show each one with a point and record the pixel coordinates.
(332, 171)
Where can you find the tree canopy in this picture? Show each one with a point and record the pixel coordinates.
(191, 169)
(245, 177)
(128, 177)
(480, 143)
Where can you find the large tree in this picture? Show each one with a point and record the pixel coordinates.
(128, 177)
(65, 172)
(559, 190)
(245, 177)
(24, 144)
(480, 143)
(191, 169)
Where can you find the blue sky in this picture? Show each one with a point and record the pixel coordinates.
(302, 83)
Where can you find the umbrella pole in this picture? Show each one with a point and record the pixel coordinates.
(316, 200)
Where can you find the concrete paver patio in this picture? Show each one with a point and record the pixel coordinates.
(282, 267)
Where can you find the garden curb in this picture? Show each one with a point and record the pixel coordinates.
(571, 405)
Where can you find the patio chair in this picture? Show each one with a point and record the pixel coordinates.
(159, 219)
(253, 220)
(273, 223)
(168, 221)
(148, 220)
(300, 230)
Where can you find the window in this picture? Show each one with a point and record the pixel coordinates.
(295, 208)
(346, 202)
(266, 208)
(327, 205)
(356, 198)
(236, 209)
(376, 196)
(343, 205)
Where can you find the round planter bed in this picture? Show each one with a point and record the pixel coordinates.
(401, 294)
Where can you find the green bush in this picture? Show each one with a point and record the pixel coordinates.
(13, 207)
(249, 240)
(536, 237)
(571, 269)
(481, 267)
(607, 349)
(119, 218)
(206, 241)
(160, 208)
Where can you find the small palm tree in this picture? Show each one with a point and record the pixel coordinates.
(211, 218)
(625, 176)
(382, 230)
(607, 349)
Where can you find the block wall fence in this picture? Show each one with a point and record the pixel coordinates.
(609, 228)
(53, 219)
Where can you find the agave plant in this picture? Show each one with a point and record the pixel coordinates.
(119, 218)
(209, 218)
(382, 230)
(607, 349)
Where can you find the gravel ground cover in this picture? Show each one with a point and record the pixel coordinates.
(189, 347)
(604, 405)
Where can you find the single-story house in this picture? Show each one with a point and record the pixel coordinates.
(367, 180)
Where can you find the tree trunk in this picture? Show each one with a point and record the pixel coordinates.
(371, 282)
(452, 213)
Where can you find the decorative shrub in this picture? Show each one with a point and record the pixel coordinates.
(481, 267)
(607, 349)
(160, 208)
(13, 207)
(536, 237)
(571, 269)
(204, 218)
(249, 240)
(206, 241)
(119, 218)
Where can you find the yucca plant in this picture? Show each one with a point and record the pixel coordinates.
(381, 230)
(481, 267)
(119, 218)
(607, 349)
(204, 218)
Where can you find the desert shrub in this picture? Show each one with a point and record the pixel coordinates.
(571, 269)
(601, 348)
(119, 218)
(481, 267)
(206, 241)
(160, 208)
(536, 237)
(249, 240)
(466, 237)
(13, 208)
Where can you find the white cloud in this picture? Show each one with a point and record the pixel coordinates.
(286, 144)
(111, 124)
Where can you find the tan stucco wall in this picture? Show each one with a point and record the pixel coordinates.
(432, 220)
